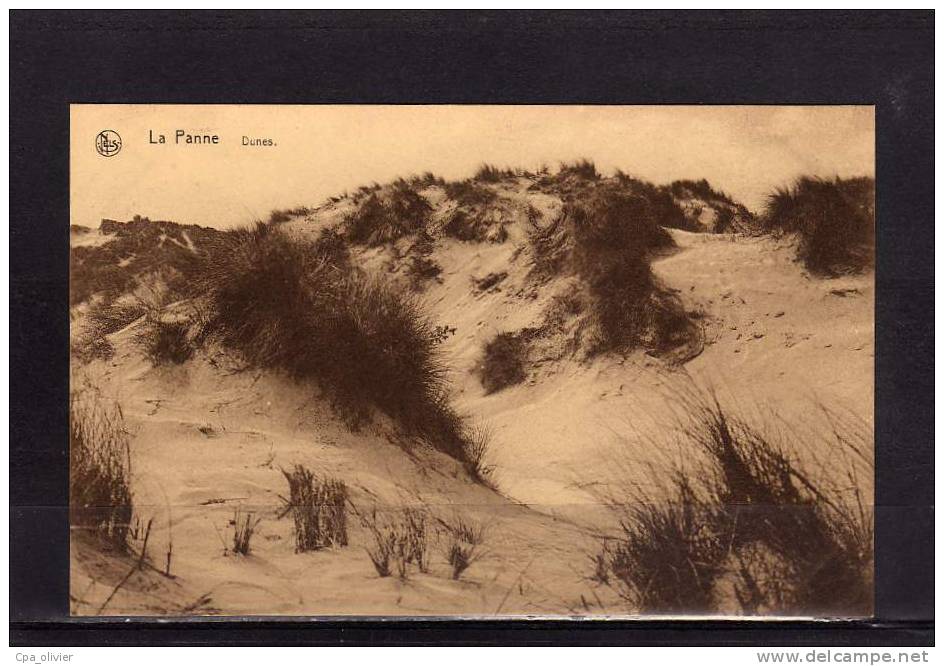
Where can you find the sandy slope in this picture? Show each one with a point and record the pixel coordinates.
(207, 441)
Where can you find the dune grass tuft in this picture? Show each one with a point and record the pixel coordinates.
(244, 527)
(607, 238)
(504, 362)
(100, 497)
(488, 173)
(747, 524)
(399, 540)
(295, 306)
(464, 544)
(582, 168)
(165, 342)
(388, 214)
(835, 220)
(318, 508)
(470, 193)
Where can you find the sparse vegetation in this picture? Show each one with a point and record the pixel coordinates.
(488, 173)
(99, 469)
(318, 508)
(244, 526)
(108, 318)
(388, 214)
(136, 248)
(399, 540)
(287, 215)
(470, 193)
(422, 269)
(85, 348)
(503, 362)
(748, 523)
(477, 442)
(582, 168)
(835, 220)
(701, 189)
(490, 281)
(479, 226)
(463, 545)
(165, 342)
(607, 239)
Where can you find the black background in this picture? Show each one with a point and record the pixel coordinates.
(880, 58)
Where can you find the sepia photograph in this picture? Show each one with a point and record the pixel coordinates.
(472, 361)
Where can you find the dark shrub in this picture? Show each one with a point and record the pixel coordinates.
(724, 220)
(607, 238)
(427, 179)
(503, 363)
(835, 220)
(399, 540)
(283, 305)
(701, 189)
(582, 168)
(747, 517)
(139, 248)
(470, 193)
(99, 469)
(244, 527)
(665, 209)
(387, 215)
(421, 269)
(110, 318)
(668, 556)
(488, 173)
(165, 342)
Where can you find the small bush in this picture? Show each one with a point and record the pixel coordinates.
(477, 442)
(835, 220)
(756, 523)
(422, 269)
(389, 214)
(86, 348)
(607, 238)
(319, 510)
(243, 529)
(582, 168)
(503, 362)
(398, 542)
(165, 342)
(488, 173)
(465, 227)
(470, 193)
(99, 469)
(701, 189)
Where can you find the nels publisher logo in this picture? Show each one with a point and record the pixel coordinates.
(108, 143)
